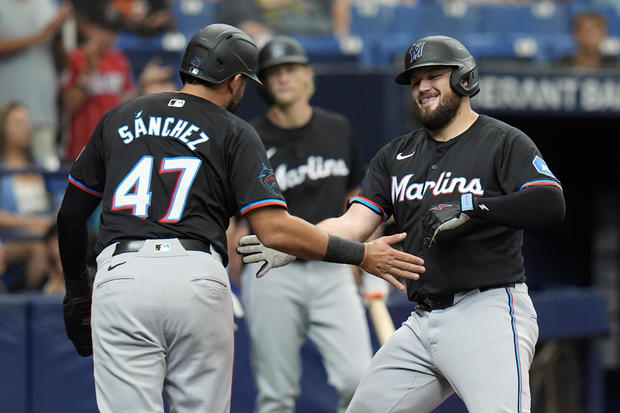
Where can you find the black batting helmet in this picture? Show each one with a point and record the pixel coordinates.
(443, 51)
(280, 50)
(219, 51)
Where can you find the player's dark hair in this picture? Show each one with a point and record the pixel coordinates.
(185, 79)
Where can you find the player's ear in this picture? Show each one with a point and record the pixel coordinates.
(235, 82)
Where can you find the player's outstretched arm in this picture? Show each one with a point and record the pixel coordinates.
(281, 231)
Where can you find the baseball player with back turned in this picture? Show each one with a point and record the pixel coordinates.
(170, 169)
(464, 187)
(316, 163)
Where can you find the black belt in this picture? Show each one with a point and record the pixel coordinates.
(439, 302)
(135, 246)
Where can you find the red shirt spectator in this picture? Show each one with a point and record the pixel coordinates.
(98, 78)
(105, 87)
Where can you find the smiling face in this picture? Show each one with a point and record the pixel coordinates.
(289, 83)
(434, 102)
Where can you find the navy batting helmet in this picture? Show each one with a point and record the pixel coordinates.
(219, 51)
(280, 50)
(443, 51)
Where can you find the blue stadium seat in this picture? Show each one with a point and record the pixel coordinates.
(538, 19)
(367, 21)
(539, 25)
(192, 15)
(410, 23)
(434, 18)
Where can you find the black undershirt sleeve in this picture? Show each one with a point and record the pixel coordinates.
(77, 206)
(531, 208)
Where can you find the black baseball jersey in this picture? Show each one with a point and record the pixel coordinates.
(173, 165)
(315, 165)
(414, 173)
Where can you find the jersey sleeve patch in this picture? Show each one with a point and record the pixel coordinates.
(541, 167)
(368, 203)
(263, 203)
(85, 188)
(540, 182)
(267, 178)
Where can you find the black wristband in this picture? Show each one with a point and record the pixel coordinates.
(344, 251)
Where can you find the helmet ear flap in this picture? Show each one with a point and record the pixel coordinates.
(464, 81)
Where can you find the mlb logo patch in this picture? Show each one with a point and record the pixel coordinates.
(541, 166)
(163, 247)
(176, 103)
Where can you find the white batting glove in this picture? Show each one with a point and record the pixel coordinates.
(374, 287)
(254, 251)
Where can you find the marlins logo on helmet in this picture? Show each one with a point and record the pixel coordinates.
(416, 51)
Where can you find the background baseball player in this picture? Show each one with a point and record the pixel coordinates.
(170, 170)
(464, 187)
(316, 163)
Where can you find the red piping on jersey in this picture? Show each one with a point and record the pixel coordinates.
(352, 199)
(551, 183)
(282, 204)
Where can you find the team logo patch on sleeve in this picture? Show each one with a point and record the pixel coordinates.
(541, 166)
(268, 179)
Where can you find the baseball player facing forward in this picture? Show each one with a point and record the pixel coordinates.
(170, 170)
(316, 163)
(463, 187)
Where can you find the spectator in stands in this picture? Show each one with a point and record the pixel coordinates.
(146, 17)
(25, 212)
(156, 78)
(98, 78)
(262, 18)
(30, 45)
(589, 32)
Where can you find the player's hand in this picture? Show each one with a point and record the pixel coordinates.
(76, 312)
(385, 262)
(445, 217)
(254, 251)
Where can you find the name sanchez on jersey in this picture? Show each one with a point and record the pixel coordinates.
(446, 184)
(168, 127)
(315, 168)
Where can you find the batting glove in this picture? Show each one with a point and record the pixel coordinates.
(373, 287)
(76, 313)
(445, 217)
(254, 251)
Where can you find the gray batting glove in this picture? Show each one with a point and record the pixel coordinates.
(254, 251)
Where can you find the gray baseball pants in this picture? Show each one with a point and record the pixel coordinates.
(162, 320)
(481, 348)
(304, 299)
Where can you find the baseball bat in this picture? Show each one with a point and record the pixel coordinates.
(381, 319)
